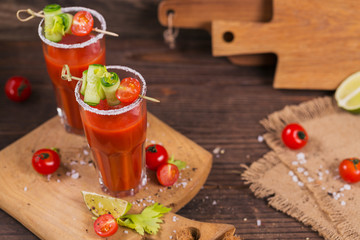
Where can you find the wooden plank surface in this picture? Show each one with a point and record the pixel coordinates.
(314, 42)
(209, 100)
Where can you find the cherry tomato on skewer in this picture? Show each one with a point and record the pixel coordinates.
(156, 155)
(105, 225)
(128, 90)
(82, 24)
(167, 174)
(46, 161)
(17, 88)
(294, 136)
(349, 170)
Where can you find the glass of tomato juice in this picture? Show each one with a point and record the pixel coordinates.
(116, 136)
(78, 53)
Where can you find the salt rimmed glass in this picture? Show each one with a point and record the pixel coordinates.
(116, 137)
(78, 53)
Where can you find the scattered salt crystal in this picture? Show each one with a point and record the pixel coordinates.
(206, 197)
(301, 184)
(222, 151)
(86, 152)
(300, 169)
(310, 179)
(48, 177)
(260, 138)
(216, 150)
(68, 174)
(327, 171)
(295, 179)
(343, 203)
(300, 156)
(336, 177)
(306, 173)
(291, 173)
(295, 163)
(347, 187)
(73, 162)
(214, 202)
(152, 142)
(148, 124)
(174, 231)
(170, 237)
(58, 180)
(75, 175)
(323, 188)
(321, 166)
(144, 204)
(25, 189)
(174, 219)
(320, 174)
(302, 161)
(82, 162)
(245, 219)
(258, 222)
(126, 232)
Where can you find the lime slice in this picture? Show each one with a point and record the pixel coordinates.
(100, 204)
(347, 95)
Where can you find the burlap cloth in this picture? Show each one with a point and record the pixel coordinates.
(305, 183)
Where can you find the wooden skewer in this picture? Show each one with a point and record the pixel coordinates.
(66, 75)
(41, 15)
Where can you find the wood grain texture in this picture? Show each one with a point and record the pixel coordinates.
(209, 100)
(315, 42)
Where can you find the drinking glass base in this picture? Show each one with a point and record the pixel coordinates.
(67, 127)
(125, 193)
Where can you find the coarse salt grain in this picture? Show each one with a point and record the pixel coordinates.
(291, 173)
(347, 187)
(295, 178)
(260, 138)
(25, 189)
(58, 180)
(300, 169)
(301, 184)
(170, 237)
(306, 173)
(300, 156)
(216, 150)
(295, 163)
(258, 222)
(214, 202)
(343, 203)
(75, 175)
(174, 219)
(310, 179)
(82, 162)
(126, 232)
(86, 152)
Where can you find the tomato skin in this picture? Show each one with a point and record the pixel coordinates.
(156, 155)
(45, 161)
(18, 88)
(294, 136)
(105, 225)
(349, 170)
(128, 90)
(167, 174)
(82, 24)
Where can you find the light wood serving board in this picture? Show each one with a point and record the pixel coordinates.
(53, 208)
(316, 41)
(198, 14)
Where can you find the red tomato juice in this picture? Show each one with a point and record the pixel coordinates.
(78, 60)
(117, 142)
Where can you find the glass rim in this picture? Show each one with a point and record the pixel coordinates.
(76, 45)
(110, 112)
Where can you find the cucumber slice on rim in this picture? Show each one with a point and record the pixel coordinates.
(94, 75)
(110, 84)
(67, 21)
(100, 90)
(53, 26)
(84, 81)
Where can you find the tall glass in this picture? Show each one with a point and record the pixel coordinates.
(78, 53)
(116, 136)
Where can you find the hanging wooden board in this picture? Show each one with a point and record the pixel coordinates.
(53, 208)
(198, 14)
(316, 42)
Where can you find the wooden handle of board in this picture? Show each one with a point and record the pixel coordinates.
(232, 38)
(200, 13)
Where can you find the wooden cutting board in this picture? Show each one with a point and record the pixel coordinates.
(198, 14)
(316, 41)
(53, 208)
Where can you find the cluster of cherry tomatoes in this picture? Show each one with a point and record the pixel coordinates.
(157, 160)
(294, 136)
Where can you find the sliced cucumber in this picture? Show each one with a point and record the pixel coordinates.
(67, 21)
(110, 84)
(53, 27)
(84, 81)
(100, 90)
(94, 75)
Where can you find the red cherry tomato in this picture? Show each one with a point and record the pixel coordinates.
(167, 174)
(349, 170)
(294, 136)
(128, 90)
(156, 155)
(17, 88)
(105, 225)
(82, 24)
(45, 161)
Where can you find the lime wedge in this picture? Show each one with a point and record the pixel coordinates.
(347, 95)
(100, 204)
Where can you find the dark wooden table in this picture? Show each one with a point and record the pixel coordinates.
(207, 99)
